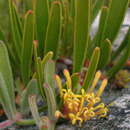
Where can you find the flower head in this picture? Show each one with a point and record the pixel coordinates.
(79, 107)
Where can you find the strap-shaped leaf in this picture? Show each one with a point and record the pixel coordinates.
(31, 89)
(72, 8)
(47, 57)
(34, 108)
(54, 28)
(39, 76)
(2, 37)
(27, 46)
(38, 68)
(49, 72)
(51, 103)
(15, 27)
(12, 56)
(92, 68)
(106, 49)
(97, 4)
(122, 46)
(42, 123)
(101, 30)
(41, 13)
(18, 20)
(29, 5)
(67, 35)
(121, 61)
(116, 15)
(76, 82)
(5, 70)
(81, 33)
(5, 99)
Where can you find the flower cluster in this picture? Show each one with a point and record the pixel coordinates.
(84, 105)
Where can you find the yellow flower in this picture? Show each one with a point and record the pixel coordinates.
(84, 105)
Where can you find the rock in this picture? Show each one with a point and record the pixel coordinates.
(65, 127)
(122, 102)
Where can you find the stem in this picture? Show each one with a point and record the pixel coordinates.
(25, 122)
(43, 108)
(6, 123)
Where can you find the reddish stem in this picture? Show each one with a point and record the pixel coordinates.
(10, 122)
(6, 123)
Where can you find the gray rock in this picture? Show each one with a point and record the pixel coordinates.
(65, 127)
(122, 102)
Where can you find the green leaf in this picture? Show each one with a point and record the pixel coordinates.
(54, 29)
(106, 50)
(27, 46)
(51, 103)
(2, 35)
(96, 8)
(5, 99)
(49, 88)
(31, 89)
(75, 82)
(92, 68)
(122, 46)
(72, 8)
(34, 108)
(13, 58)
(49, 72)
(81, 33)
(39, 76)
(5, 70)
(28, 5)
(18, 20)
(101, 30)
(15, 28)
(121, 61)
(47, 57)
(67, 35)
(115, 18)
(38, 69)
(43, 123)
(41, 13)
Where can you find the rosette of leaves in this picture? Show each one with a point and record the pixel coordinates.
(45, 70)
(14, 95)
(54, 102)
